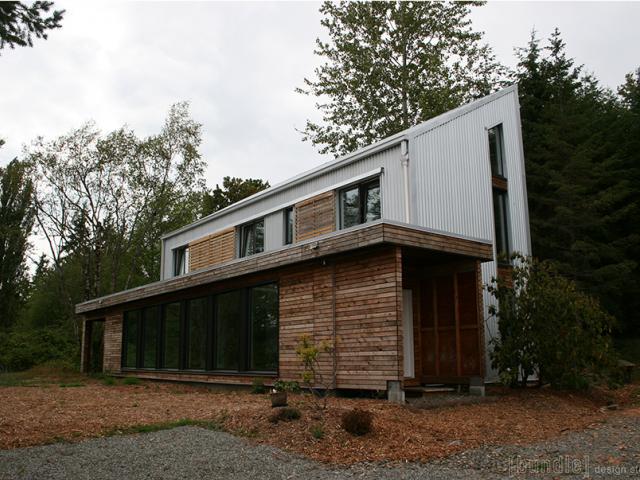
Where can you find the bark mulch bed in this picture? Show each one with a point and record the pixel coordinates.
(36, 415)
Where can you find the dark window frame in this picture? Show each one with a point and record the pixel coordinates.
(363, 189)
(211, 319)
(289, 225)
(499, 169)
(243, 241)
(180, 259)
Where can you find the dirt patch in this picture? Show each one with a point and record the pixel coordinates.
(36, 415)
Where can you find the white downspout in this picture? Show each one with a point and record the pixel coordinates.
(404, 152)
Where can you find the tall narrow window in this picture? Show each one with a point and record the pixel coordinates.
(263, 329)
(229, 313)
(252, 238)
(500, 213)
(500, 196)
(171, 336)
(288, 226)
(131, 331)
(496, 151)
(360, 204)
(150, 337)
(180, 261)
(197, 342)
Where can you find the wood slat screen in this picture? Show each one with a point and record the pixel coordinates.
(212, 249)
(315, 216)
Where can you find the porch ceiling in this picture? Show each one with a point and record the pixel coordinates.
(370, 234)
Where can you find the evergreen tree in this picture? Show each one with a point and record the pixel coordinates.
(390, 65)
(19, 23)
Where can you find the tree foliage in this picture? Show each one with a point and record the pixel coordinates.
(233, 190)
(16, 224)
(21, 23)
(548, 328)
(583, 167)
(390, 65)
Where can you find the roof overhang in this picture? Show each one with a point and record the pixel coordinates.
(371, 234)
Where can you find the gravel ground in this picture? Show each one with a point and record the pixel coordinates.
(195, 453)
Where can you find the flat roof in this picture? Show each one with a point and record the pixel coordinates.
(361, 236)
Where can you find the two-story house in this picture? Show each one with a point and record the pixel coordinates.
(383, 253)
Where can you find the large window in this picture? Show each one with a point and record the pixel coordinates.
(360, 204)
(180, 261)
(150, 337)
(197, 344)
(234, 331)
(496, 151)
(229, 313)
(288, 226)
(130, 338)
(171, 336)
(263, 326)
(252, 238)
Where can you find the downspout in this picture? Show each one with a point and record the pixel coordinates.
(404, 160)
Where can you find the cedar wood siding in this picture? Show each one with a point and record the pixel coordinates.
(351, 301)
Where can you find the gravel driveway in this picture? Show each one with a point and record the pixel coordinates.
(196, 453)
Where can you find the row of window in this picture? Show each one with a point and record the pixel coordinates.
(235, 331)
(357, 204)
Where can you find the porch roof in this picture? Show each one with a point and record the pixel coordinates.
(366, 235)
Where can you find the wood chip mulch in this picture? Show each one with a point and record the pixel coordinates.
(36, 415)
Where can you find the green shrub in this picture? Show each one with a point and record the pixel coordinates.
(23, 349)
(285, 414)
(357, 422)
(257, 386)
(131, 381)
(317, 431)
(284, 386)
(109, 381)
(548, 328)
(72, 384)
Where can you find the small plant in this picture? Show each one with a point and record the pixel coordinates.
(357, 422)
(285, 414)
(284, 386)
(109, 381)
(74, 384)
(257, 386)
(131, 381)
(312, 377)
(317, 431)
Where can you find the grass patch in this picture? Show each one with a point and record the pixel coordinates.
(71, 385)
(109, 381)
(156, 427)
(48, 373)
(131, 381)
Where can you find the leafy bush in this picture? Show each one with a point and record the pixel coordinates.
(285, 414)
(549, 328)
(357, 422)
(23, 349)
(109, 381)
(284, 386)
(317, 431)
(131, 381)
(257, 386)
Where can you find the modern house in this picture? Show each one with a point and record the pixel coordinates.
(383, 253)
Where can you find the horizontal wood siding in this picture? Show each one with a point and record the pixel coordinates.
(315, 216)
(112, 343)
(212, 250)
(368, 346)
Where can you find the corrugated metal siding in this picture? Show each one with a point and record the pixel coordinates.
(451, 181)
(274, 230)
(391, 185)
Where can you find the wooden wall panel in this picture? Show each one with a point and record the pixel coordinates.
(315, 216)
(212, 249)
(112, 343)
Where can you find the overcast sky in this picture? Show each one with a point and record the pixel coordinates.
(238, 65)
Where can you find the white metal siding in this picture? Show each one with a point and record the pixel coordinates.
(274, 230)
(391, 186)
